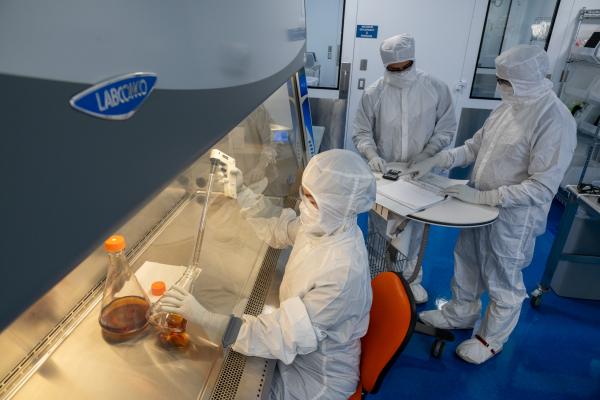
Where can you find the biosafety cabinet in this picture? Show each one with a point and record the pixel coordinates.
(108, 113)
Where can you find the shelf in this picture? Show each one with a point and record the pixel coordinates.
(586, 63)
(590, 14)
(587, 139)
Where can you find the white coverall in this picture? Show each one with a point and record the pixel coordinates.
(326, 293)
(401, 116)
(523, 151)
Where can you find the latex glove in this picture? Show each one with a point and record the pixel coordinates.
(421, 168)
(256, 174)
(239, 186)
(429, 151)
(376, 163)
(474, 196)
(418, 158)
(180, 301)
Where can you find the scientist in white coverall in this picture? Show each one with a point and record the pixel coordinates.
(520, 155)
(405, 116)
(325, 295)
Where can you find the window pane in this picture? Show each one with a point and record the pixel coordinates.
(508, 24)
(323, 42)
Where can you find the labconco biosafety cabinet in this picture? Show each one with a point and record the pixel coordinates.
(108, 111)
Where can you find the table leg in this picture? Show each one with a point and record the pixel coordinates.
(421, 254)
(562, 234)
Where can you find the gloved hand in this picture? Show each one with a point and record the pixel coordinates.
(474, 196)
(239, 186)
(183, 303)
(376, 163)
(418, 158)
(429, 151)
(421, 168)
(256, 174)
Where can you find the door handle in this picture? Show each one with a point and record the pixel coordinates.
(461, 84)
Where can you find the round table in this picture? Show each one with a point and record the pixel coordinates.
(451, 213)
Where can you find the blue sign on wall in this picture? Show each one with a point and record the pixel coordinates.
(118, 98)
(367, 31)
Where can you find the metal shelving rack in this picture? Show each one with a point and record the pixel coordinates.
(591, 141)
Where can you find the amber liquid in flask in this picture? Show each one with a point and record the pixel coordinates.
(124, 315)
(124, 303)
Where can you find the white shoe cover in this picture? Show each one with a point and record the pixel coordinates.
(419, 293)
(475, 352)
(436, 319)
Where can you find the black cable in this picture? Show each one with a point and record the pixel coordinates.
(587, 188)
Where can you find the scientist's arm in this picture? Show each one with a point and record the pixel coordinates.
(271, 149)
(364, 127)
(465, 154)
(298, 325)
(445, 121)
(550, 157)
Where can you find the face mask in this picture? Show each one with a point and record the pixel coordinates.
(308, 213)
(400, 79)
(505, 90)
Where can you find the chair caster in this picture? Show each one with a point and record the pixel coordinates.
(438, 347)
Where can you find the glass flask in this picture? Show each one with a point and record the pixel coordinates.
(124, 302)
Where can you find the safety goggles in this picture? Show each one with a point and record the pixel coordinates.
(407, 66)
(502, 81)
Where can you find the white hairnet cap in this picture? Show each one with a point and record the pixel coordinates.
(524, 66)
(342, 185)
(397, 49)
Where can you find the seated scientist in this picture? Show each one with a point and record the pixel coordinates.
(325, 295)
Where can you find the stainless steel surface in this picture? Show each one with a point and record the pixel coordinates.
(53, 312)
(85, 364)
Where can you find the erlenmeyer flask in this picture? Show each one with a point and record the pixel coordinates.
(172, 322)
(124, 303)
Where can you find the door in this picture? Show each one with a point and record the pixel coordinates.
(441, 32)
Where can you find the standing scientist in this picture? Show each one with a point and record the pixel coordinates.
(520, 155)
(405, 116)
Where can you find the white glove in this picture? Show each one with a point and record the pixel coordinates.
(376, 163)
(418, 158)
(474, 196)
(239, 186)
(421, 168)
(429, 151)
(183, 303)
(256, 174)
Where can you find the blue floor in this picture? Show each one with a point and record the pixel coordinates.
(553, 353)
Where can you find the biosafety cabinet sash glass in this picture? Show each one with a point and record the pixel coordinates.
(509, 23)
